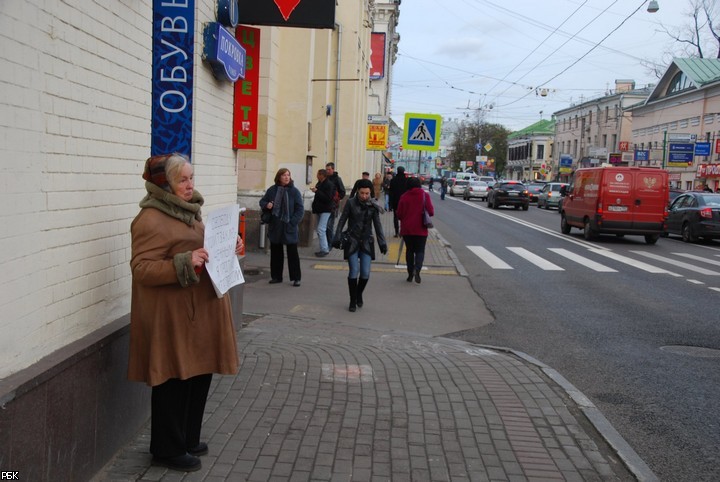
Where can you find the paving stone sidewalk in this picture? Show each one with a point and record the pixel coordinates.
(329, 401)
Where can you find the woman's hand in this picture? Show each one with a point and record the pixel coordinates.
(269, 205)
(199, 257)
(239, 245)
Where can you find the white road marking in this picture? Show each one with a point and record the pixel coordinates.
(491, 260)
(679, 264)
(536, 260)
(698, 258)
(588, 263)
(633, 262)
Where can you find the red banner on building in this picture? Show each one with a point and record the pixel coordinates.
(377, 55)
(245, 115)
(708, 170)
(717, 146)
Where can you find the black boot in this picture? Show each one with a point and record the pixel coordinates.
(352, 288)
(362, 283)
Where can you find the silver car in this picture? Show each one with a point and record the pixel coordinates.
(476, 190)
(549, 196)
(458, 187)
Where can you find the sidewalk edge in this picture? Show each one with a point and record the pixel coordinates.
(627, 454)
(458, 266)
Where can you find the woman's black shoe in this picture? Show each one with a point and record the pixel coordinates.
(184, 463)
(409, 278)
(417, 276)
(296, 282)
(275, 281)
(199, 449)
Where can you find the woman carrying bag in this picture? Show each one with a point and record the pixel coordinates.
(361, 215)
(284, 202)
(411, 213)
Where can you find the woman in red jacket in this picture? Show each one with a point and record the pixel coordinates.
(412, 228)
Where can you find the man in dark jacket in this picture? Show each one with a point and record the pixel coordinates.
(322, 205)
(339, 194)
(398, 186)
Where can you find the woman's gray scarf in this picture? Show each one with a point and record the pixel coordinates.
(281, 204)
(172, 205)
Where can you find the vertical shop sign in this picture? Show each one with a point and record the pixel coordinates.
(172, 76)
(245, 116)
(377, 55)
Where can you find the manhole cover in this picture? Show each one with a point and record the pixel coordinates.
(696, 351)
(252, 272)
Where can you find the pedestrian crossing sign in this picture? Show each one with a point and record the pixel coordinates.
(422, 132)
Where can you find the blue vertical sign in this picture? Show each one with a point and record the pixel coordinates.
(172, 76)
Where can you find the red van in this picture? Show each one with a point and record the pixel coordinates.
(616, 200)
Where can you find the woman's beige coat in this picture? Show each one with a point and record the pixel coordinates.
(175, 331)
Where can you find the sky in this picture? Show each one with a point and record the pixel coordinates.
(492, 58)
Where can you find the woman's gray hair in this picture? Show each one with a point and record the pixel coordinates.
(173, 166)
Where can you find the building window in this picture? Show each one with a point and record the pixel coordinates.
(607, 113)
(541, 151)
(604, 140)
(614, 142)
(679, 83)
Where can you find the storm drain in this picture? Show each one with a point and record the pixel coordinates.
(696, 351)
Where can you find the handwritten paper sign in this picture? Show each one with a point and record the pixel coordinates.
(221, 231)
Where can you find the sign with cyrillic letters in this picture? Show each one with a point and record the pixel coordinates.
(245, 115)
(172, 76)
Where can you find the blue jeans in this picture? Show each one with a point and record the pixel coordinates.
(359, 263)
(323, 219)
(387, 202)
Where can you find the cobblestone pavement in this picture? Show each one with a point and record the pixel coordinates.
(319, 401)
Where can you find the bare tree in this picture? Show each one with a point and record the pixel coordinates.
(699, 35)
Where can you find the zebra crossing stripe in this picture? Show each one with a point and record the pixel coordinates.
(680, 264)
(699, 258)
(491, 260)
(536, 260)
(588, 263)
(632, 262)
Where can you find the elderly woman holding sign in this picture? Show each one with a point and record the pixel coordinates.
(180, 331)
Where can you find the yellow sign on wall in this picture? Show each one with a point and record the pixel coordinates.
(377, 137)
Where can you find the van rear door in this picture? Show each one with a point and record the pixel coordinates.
(650, 193)
(617, 199)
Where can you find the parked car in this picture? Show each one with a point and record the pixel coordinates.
(458, 187)
(549, 196)
(695, 215)
(534, 189)
(476, 189)
(508, 193)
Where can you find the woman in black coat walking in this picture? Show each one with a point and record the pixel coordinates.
(284, 202)
(362, 214)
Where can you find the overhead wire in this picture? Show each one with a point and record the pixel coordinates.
(563, 44)
(538, 46)
(582, 56)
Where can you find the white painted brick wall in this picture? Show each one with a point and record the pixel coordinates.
(74, 135)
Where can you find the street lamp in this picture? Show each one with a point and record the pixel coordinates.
(653, 6)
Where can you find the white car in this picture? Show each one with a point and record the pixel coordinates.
(476, 189)
(458, 187)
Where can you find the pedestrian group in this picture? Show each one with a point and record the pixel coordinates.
(181, 332)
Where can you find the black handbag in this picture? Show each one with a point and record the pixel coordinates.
(265, 217)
